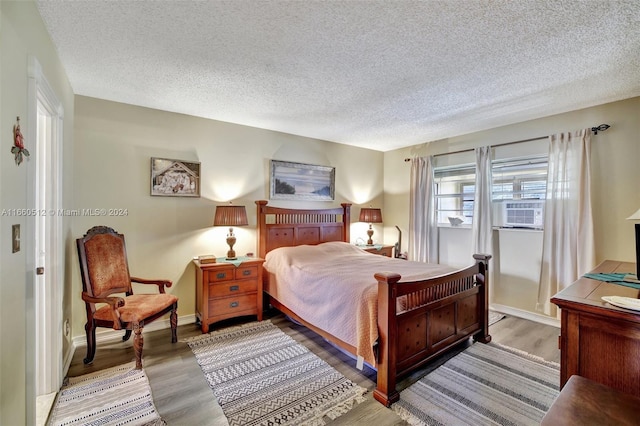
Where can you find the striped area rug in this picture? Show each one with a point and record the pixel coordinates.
(115, 396)
(261, 376)
(486, 384)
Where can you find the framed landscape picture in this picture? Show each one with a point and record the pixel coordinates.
(297, 181)
(175, 178)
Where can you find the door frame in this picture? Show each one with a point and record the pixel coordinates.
(44, 366)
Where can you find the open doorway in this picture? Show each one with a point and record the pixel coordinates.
(44, 258)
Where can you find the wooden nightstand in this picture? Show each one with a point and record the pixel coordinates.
(377, 249)
(226, 291)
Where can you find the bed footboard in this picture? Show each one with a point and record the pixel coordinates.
(439, 313)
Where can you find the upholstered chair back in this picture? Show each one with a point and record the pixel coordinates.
(107, 267)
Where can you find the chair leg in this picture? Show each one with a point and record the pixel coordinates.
(174, 323)
(138, 342)
(91, 342)
(126, 336)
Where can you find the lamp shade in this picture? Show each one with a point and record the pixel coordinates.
(370, 215)
(635, 216)
(636, 278)
(230, 216)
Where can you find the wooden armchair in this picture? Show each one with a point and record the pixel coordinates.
(105, 277)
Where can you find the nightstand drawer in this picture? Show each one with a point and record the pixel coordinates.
(243, 302)
(243, 272)
(221, 274)
(232, 288)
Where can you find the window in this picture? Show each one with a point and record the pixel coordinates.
(455, 192)
(519, 190)
(520, 178)
(514, 179)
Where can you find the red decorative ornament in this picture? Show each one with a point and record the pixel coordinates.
(18, 148)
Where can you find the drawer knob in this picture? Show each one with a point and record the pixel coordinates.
(246, 272)
(221, 275)
(234, 288)
(234, 304)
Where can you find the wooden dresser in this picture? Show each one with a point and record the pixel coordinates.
(600, 341)
(224, 291)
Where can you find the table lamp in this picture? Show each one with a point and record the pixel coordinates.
(370, 215)
(230, 216)
(635, 278)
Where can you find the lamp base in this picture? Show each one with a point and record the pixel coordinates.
(370, 235)
(631, 278)
(231, 240)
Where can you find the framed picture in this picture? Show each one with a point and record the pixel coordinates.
(297, 181)
(175, 178)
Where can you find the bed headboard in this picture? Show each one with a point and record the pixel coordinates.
(281, 227)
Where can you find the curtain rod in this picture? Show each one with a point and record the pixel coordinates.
(595, 130)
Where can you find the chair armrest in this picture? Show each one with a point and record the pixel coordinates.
(160, 283)
(114, 303)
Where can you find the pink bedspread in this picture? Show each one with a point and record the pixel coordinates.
(331, 286)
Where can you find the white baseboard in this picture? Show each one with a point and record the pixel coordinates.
(520, 313)
(110, 336)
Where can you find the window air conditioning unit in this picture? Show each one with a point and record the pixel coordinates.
(525, 214)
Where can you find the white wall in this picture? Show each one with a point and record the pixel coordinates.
(517, 269)
(22, 33)
(616, 194)
(113, 146)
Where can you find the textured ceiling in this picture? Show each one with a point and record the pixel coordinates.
(375, 74)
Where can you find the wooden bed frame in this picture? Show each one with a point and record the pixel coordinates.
(457, 307)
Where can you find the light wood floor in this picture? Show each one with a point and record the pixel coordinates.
(183, 397)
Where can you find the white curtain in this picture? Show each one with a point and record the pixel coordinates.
(482, 224)
(568, 249)
(423, 227)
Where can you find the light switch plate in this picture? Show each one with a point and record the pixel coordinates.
(15, 238)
